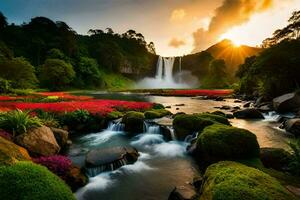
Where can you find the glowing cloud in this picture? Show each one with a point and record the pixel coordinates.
(177, 15)
(176, 43)
(230, 14)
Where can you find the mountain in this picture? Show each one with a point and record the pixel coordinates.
(232, 54)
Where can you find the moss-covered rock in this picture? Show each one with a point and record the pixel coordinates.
(220, 113)
(134, 122)
(220, 142)
(185, 124)
(114, 115)
(275, 158)
(234, 181)
(28, 181)
(10, 152)
(158, 113)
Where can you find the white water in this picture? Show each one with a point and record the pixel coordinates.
(164, 76)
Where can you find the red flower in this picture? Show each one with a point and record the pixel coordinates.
(102, 107)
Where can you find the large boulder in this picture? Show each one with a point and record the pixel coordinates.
(134, 122)
(25, 180)
(287, 103)
(61, 136)
(275, 158)
(39, 141)
(108, 159)
(219, 142)
(185, 124)
(293, 126)
(250, 113)
(10, 152)
(234, 181)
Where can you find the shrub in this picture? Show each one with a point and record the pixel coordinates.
(47, 118)
(233, 181)
(219, 142)
(59, 165)
(28, 181)
(5, 86)
(18, 122)
(76, 117)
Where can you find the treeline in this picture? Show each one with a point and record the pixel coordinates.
(48, 54)
(276, 70)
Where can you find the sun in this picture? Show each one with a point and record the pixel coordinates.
(236, 43)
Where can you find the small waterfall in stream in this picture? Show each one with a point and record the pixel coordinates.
(116, 126)
(164, 77)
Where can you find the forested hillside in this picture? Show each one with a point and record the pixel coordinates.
(48, 54)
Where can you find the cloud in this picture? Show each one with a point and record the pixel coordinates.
(176, 43)
(177, 15)
(230, 14)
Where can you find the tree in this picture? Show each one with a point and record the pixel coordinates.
(3, 22)
(88, 74)
(290, 32)
(56, 54)
(19, 72)
(56, 74)
(217, 77)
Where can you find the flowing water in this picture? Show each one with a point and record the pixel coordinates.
(162, 165)
(164, 77)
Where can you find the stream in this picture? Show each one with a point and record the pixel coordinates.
(162, 164)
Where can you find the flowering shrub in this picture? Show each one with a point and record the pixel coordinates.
(102, 107)
(59, 165)
(199, 92)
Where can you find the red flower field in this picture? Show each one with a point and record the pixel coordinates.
(95, 106)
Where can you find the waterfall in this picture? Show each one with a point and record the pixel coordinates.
(180, 70)
(164, 75)
(116, 126)
(94, 171)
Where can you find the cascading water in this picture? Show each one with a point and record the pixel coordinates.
(164, 75)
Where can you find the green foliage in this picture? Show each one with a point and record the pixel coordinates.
(115, 81)
(88, 74)
(19, 72)
(295, 162)
(274, 72)
(234, 181)
(18, 122)
(5, 86)
(216, 77)
(158, 106)
(219, 142)
(188, 124)
(47, 118)
(28, 181)
(56, 74)
(76, 117)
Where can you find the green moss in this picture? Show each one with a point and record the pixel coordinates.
(134, 122)
(234, 181)
(185, 124)
(28, 181)
(219, 142)
(153, 114)
(114, 115)
(10, 153)
(220, 113)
